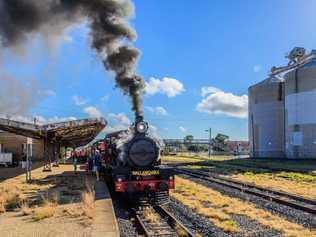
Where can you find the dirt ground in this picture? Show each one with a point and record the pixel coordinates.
(51, 205)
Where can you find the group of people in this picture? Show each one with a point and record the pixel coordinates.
(94, 162)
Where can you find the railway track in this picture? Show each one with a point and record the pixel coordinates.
(158, 221)
(287, 199)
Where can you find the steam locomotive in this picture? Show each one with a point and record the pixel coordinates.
(133, 165)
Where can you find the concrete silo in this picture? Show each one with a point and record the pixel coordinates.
(266, 118)
(300, 111)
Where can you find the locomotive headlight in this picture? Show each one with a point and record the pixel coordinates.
(142, 127)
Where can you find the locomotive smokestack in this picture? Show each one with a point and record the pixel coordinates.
(110, 32)
(139, 119)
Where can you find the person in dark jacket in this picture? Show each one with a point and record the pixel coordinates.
(97, 163)
(75, 161)
(90, 162)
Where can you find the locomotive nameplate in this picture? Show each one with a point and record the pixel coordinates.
(146, 172)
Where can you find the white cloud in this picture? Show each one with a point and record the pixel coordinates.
(209, 90)
(182, 129)
(120, 121)
(161, 110)
(39, 119)
(93, 112)
(25, 119)
(117, 122)
(257, 68)
(56, 119)
(114, 128)
(216, 101)
(78, 100)
(47, 92)
(17, 96)
(154, 131)
(158, 110)
(67, 38)
(105, 98)
(118, 118)
(168, 86)
(153, 128)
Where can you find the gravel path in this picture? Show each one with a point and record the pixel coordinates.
(291, 214)
(203, 226)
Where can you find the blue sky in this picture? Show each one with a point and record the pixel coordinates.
(222, 45)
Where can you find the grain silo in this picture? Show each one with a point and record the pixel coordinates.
(266, 118)
(300, 111)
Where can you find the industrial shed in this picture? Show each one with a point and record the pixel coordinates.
(282, 115)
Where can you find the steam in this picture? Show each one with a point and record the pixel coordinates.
(110, 32)
(16, 97)
(124, 138)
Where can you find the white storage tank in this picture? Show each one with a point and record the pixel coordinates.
(300, 111)
(266, 119)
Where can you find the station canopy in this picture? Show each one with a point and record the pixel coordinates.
(71, 133)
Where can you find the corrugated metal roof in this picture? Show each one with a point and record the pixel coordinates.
(70, 133)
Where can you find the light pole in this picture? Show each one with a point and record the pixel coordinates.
(209, 142)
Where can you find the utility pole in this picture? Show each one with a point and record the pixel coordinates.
(209, 142)
(28, 169)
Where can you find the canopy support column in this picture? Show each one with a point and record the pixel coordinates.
(47, 156)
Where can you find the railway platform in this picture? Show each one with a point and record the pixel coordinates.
(105, 223)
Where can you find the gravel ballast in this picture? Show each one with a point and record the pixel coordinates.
(305, 219)
(200, 224)
(124, 220)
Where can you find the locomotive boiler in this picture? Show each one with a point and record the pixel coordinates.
(134, 166)
(136, 149)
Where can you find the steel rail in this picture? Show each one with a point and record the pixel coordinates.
(169, 225)
(174, 222)
(141, 222)
(154, 229)
(277, 192)
(294, 201)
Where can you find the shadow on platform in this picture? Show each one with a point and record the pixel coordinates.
(11, 172)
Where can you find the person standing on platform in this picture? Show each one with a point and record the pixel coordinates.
(74, 161)
(90, 161)
(97, 164)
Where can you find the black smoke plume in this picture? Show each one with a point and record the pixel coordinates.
(110, 32)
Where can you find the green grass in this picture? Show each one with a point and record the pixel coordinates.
(227, 164)
(298, 177)
(294, 165)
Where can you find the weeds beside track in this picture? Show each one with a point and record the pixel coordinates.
(290, 200)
